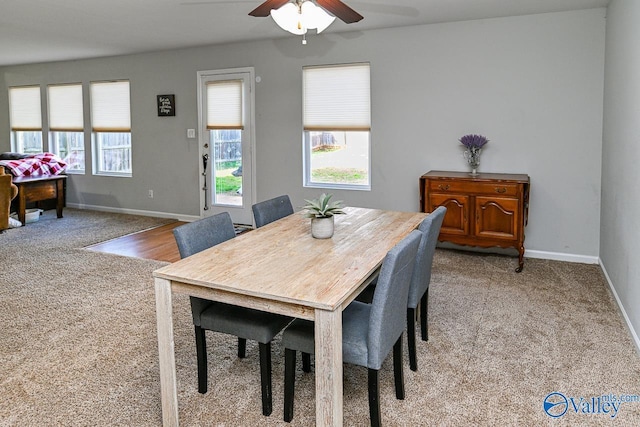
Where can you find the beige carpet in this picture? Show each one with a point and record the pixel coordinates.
(78, 343)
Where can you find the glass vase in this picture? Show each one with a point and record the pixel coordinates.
(472, 155)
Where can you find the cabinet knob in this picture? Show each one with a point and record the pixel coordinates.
(501, 190)
(443, 187)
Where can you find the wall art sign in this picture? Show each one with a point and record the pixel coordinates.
(166, 105)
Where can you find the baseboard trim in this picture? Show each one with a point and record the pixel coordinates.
(528, 253)
(559, 256)
(179, 217)
(634, 335)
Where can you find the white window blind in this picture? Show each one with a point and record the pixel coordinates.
(65, 108)
(224, 105)
(24, 108)
(337, 98)
(110, 107)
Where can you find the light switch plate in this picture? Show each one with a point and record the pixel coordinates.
(191, 133)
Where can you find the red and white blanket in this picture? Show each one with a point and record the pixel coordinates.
(36, 165)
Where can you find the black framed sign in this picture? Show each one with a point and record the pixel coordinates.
(166, 105)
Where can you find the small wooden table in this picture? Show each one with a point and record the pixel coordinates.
(37, 189)
(280, 268)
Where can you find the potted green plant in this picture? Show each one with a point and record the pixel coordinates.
(321, 212)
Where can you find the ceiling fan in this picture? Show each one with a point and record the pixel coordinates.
(335, 7)
(298, 16)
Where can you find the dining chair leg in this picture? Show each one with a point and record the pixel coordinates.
(411, 338)
(374, 398)
(424, 301)
(306, 362)
(265, 377)
(289, 382)
(201, 356)
(398, 374)
(242, 348)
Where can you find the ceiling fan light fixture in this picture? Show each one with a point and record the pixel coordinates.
(297, 18)
(289, 19)
(315, 17)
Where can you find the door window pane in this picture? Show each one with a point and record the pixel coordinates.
(227, 166)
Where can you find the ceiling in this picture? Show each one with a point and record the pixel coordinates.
(44, 30)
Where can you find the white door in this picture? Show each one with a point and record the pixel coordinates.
(227, 143)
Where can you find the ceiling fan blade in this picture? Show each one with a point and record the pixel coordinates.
(265, 8)
(340, 10)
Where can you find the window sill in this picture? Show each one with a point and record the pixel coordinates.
(114, 174)
(333, 186)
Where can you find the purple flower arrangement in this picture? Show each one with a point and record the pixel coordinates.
(473, 144)
(473, 141)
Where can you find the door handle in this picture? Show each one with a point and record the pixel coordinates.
(205, 160)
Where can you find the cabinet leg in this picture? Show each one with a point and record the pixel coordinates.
(520, 259)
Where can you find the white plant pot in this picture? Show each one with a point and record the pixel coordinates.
(322, 228)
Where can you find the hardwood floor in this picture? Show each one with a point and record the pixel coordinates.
(157, 243)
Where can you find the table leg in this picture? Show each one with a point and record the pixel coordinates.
(22, 205)
(168, 380)
(328, 336)
(59, 197)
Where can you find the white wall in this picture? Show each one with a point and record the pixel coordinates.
(532, 84)
(620, 225)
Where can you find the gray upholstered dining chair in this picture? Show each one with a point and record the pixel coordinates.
(419, 290)
(242, 322)
(271, 210)
(369, 331)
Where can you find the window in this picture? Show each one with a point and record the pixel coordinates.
(25, 115)
(337, 125)
(111, 128)
(66, 125)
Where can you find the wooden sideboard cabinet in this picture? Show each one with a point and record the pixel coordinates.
(485, 210)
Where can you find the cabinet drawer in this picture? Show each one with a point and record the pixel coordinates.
(447, 186)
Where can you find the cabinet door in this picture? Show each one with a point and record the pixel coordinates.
(497, 218)
(456, 220)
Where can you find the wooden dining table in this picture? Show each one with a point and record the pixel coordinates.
(281, 268)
